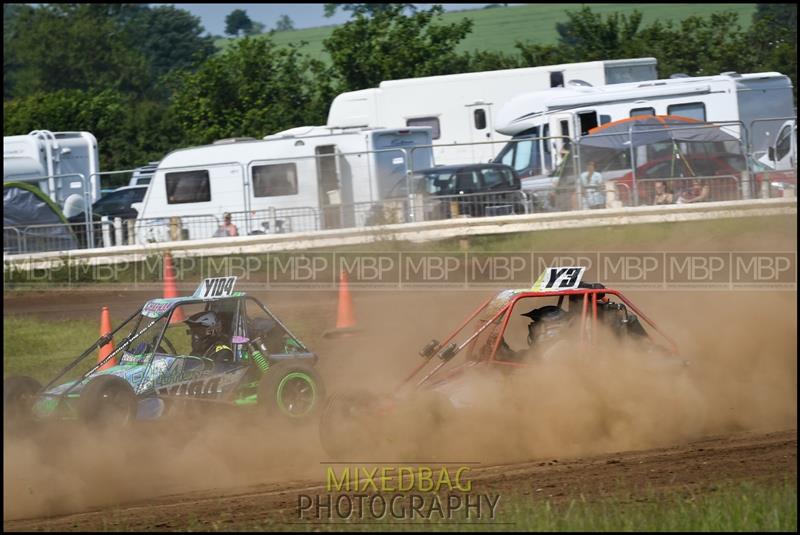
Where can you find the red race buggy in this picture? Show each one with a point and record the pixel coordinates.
(514, 329)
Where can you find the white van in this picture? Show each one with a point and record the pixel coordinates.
(544, 120)
(461, 108)
(782, 154)
(306, 178)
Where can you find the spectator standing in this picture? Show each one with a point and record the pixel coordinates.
(593, 188)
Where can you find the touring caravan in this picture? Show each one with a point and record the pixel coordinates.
(460, 108)
(306, 178)
(58, 163)
(542, 122)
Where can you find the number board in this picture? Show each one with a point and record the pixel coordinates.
(215, 287)
(554, 279)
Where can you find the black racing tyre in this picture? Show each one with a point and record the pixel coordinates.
(107, 400)
(19, 394)
(291, 389)
(344, 425)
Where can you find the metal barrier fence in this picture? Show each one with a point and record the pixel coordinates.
(554, 179)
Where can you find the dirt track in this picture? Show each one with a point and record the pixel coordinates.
(744, 362)
(701, 465)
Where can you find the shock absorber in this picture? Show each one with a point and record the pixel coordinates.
(258, 349)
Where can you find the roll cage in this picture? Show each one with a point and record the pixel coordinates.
(166, 309)
(499, 320)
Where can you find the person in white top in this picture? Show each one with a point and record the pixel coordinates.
(593, 188)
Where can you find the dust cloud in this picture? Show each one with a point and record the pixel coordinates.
(742, 376)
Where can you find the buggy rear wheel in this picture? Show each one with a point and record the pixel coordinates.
(19, 394)
(292, 389)
(107, 400)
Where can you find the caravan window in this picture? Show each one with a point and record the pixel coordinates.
(588, 120)
(274, 180)
(642, 111)
(188, 186)
(480, 119)
(692, 110)
(433, 122)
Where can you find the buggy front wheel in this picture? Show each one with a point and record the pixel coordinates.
(107, 400)
(291, 389)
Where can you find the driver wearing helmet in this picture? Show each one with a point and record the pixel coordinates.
(546, 331)
(207, 337)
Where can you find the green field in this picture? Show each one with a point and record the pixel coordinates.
(499, 28)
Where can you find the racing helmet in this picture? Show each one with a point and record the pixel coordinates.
(205, 328)
(547, 323)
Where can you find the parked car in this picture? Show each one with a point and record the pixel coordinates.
(678, 170)
(475, 190)
(115, 204)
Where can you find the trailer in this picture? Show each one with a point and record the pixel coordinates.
(306, 178)
(543, 123)
(461, 108)
(63, 165)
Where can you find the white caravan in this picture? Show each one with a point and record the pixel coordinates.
(58, 163)
(552, 116)
(460, 108)
(306, 178)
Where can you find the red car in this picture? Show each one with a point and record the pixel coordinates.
(721, 172)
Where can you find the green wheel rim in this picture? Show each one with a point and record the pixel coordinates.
(298, 385)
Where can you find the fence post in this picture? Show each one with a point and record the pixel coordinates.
(131, 231)
(273, 221)
(117, 231)
(175, 228)
(105, 223)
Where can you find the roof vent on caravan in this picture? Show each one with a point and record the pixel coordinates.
(578, 83)
(732, 74)
(678, 75)
(229, 140)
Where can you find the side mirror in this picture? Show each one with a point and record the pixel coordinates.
(429, 350)
(771, 153)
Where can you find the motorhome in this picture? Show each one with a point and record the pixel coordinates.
(58, 163)
(306, 178)
(461, 108)
(543, 122)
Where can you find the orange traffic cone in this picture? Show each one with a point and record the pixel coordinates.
(105, 328)
(344, 314)
(345, 320)
(170, 290)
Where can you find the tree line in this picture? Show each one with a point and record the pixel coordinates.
(146, 80)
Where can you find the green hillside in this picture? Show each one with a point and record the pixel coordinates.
(499, 28)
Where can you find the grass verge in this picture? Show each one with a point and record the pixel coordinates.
(40, 348)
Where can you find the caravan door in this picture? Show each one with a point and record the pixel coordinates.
(479, 118)
(335, 188)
